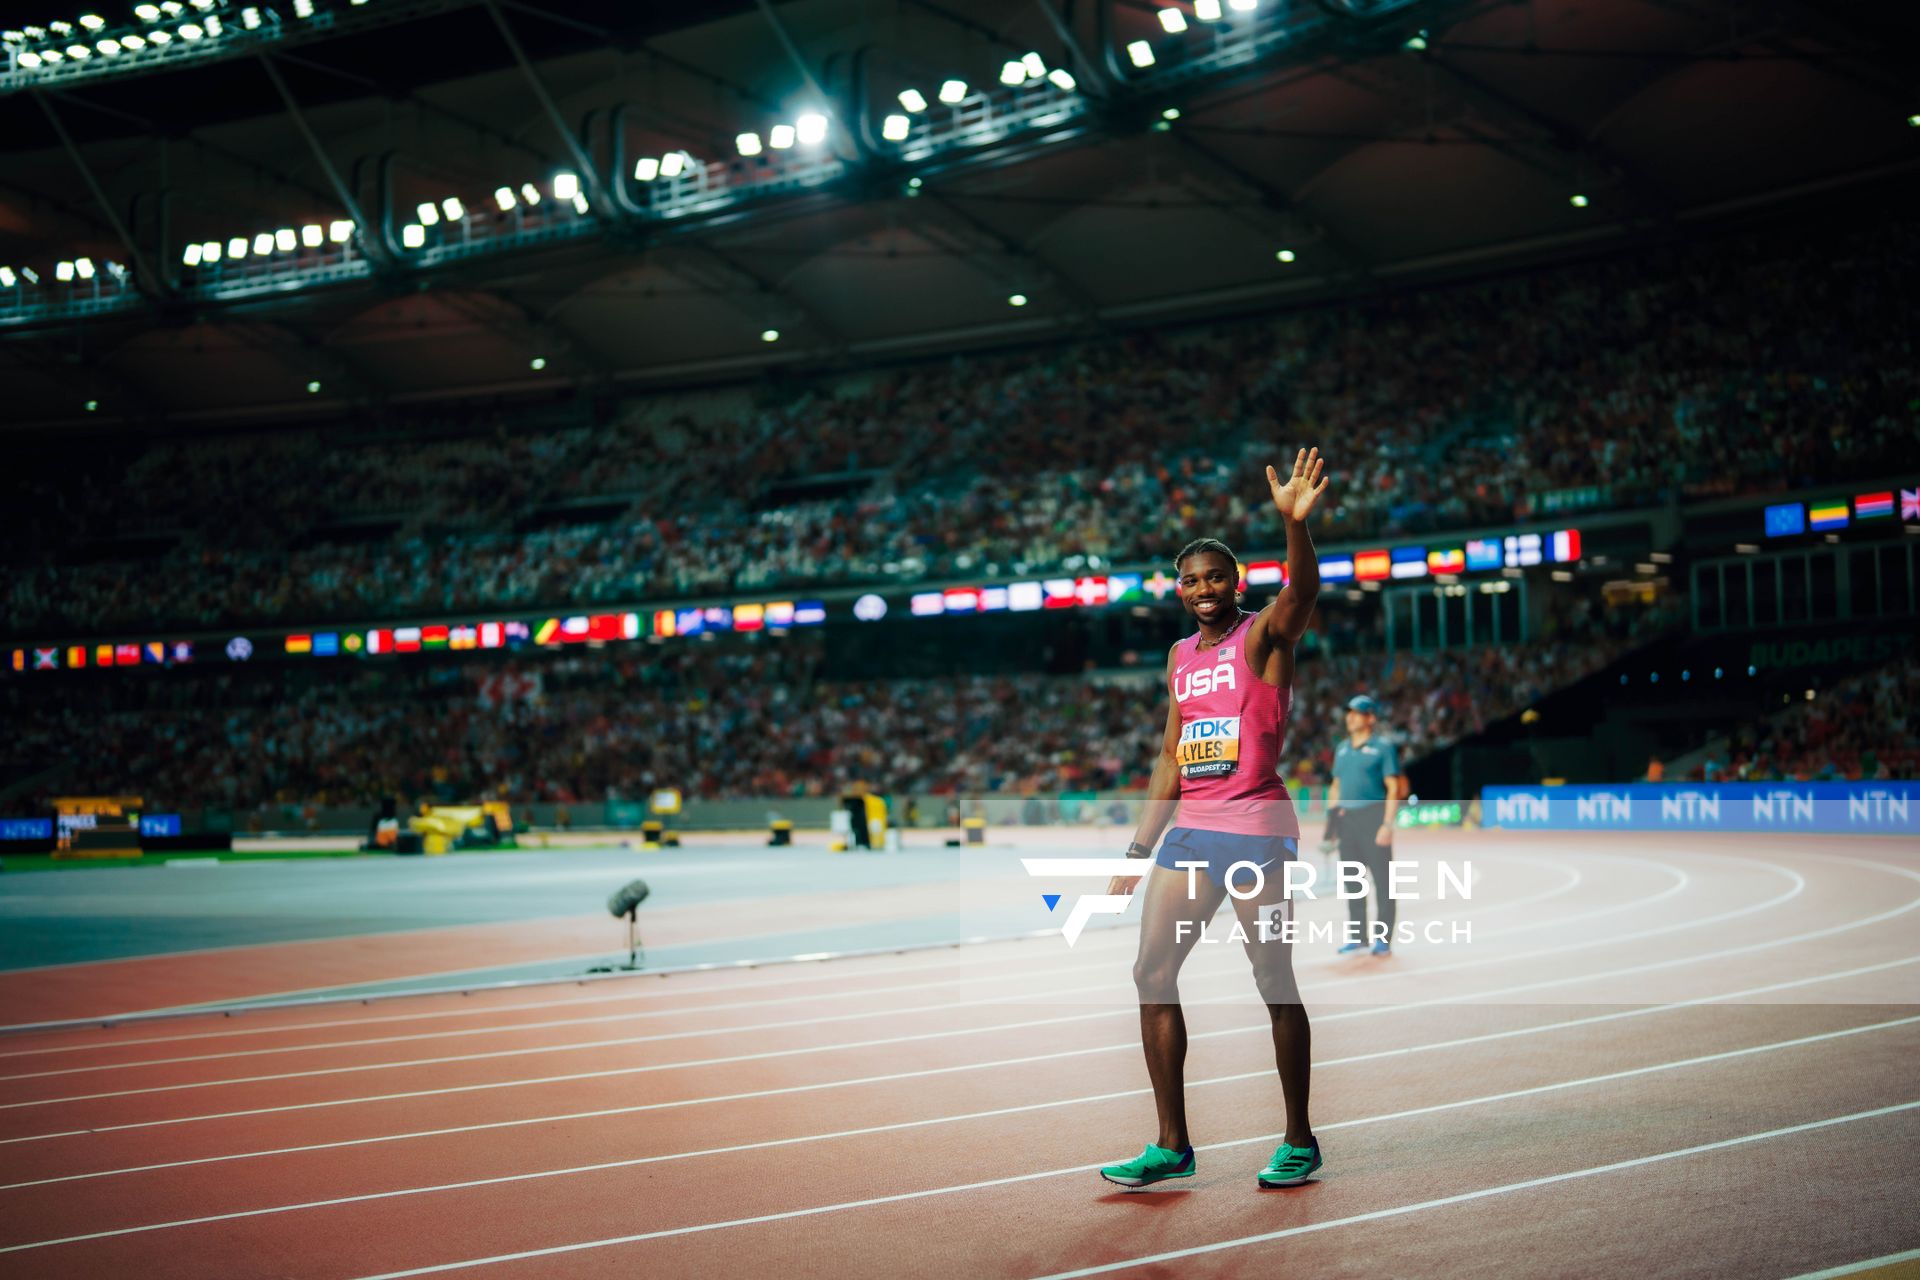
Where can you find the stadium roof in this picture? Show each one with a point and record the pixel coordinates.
(1347, 149)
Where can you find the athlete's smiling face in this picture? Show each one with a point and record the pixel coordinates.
(1209, 584)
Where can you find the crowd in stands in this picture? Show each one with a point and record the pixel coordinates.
(718, 721)
(1864, 727)
(1758, 362)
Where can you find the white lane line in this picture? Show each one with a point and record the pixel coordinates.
(1681, 882)
(1505, 1096)
(1023, 997)
(1431, 1046)
(1865, 1264)
(622, 1071)
(1444, 1201)
(1799, 884)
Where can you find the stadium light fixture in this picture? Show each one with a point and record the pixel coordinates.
(286, 239)
(769, 335)
(1062, 79)
(452, 207)
(1035, 64)
(672, 163)
(780, 137)
(537, 363)
(895, 128)
(263, 243)
(1141, 53)
(172, 8)
(340, 230)
(109, 47)
(313, 387)
(913, 100)
(210, 251)
(303, 8)
(1243, 6)
(1417, 42)
(84, 268)
(530, 193)
(811, 129)
(146, 12)
(580, 202)
(913, 184)
(30, 275)
(647, 170)
(504, 197)
(313, 235)
(132, 41)
(29, 60)
(565, 185)
(79, 52)
(413, 235)
(63, 271)
(748, 144)
(1016, 299)
(250, 18)
(1173, 20)
(1013, 72)
(191, 31)
(6, 277)
(429, 214)
(92, 21)
(952, 92)
(1285, 255)
(1171, 113)
(237, 248)
(1578, 201)
(93, 406)
(50, 56)
(159, 37)
(1914, 120)
(213, 24)
(191, 255)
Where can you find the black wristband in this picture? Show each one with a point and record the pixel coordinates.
(1144, 852)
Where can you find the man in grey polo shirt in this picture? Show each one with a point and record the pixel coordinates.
(1366, 794)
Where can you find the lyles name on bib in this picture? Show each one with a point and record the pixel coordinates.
(1209, 746)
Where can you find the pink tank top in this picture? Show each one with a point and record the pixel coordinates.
(1232, 724)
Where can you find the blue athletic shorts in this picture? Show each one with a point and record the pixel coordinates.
(1221, 849)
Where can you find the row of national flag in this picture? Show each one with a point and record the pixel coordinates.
(1786, 519)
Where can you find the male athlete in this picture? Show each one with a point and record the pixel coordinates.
(1231, 684)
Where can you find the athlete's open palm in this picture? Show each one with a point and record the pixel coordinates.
(1295, 499)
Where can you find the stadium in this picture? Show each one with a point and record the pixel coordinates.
(759, 636)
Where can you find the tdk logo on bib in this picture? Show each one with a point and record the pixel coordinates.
(1194, 684)
(1209, 746)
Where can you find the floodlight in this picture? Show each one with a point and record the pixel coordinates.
(60, 28)
(811, 128)
(1062, 79)
(647, 170)
(313, 388)
(503, 196)
(1171, 113)
(172, 8)
(131, 41)
(1285, 255)
(413, 235)
(63, 271)
(109, 47)
(92, 21)
(953, 91)
(286, 239)
(530, 193)
(191, 255)
(1012, 73)
(769, 335)
(79, 52)
(213, 24)
(780, 137)
(250, 18)
(1207, 10)
(913, 100)
(671, 164)
(303, 8)
(1243, 6)
(895, 128)
(579, 202)
(340, 230)
(30, 275)
(210, 251)
(452, 207)
(93, 406)
(537, 363)
(1173, 20)
(1035, 64)
(565, 186)
(429, 214)
(313, 235)
(1141, 53)
(237, 247)
(159, 36)
(1577, 201)
(84, 266)
(1016, 299)
(749, 144)
(29, 60)
(146, 12)
(6, 277)
(51, 55)
(191, 31)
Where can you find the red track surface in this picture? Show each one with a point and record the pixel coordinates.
(1731, 1022)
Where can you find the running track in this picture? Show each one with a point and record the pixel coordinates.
(1658, 1057)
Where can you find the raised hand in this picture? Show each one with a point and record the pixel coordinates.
(1295, 499)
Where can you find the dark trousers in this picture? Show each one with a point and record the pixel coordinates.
(1354, 830)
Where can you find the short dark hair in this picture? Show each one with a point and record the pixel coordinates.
(1199, 545)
